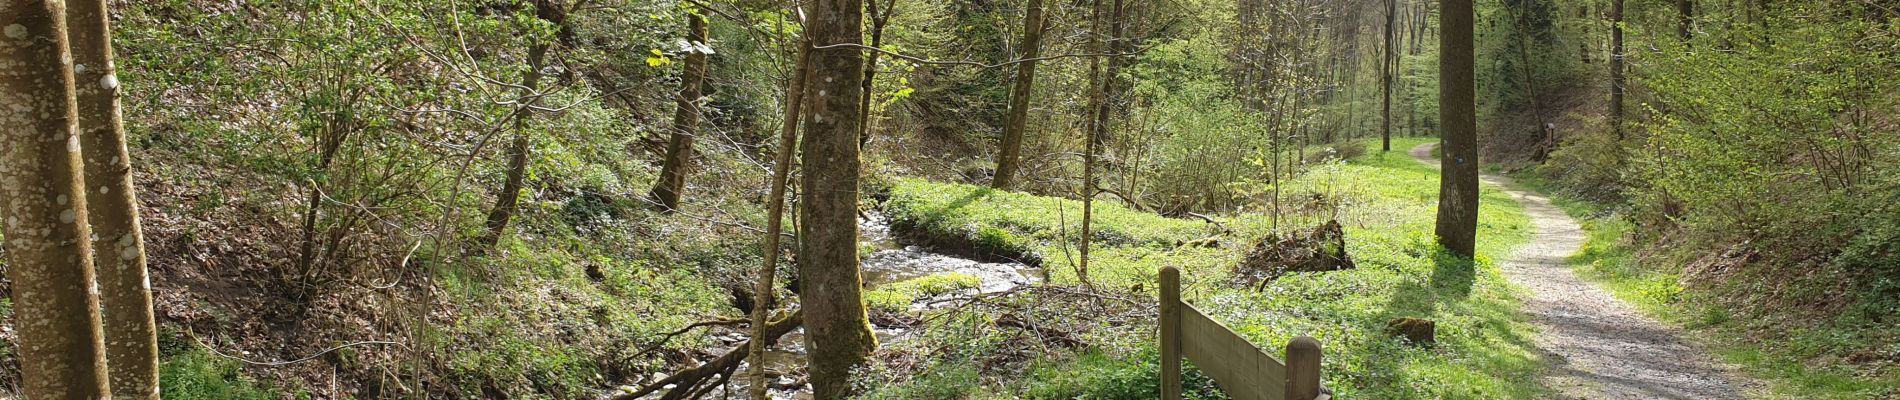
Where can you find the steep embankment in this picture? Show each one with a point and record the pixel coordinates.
(1598, 347)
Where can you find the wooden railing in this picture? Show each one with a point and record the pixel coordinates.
(1242, 370)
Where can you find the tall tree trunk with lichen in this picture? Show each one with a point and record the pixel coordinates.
(1007, 158)
(1457, 104)
(679, 151)
(837, 329)
(43, 199)
(124, 287)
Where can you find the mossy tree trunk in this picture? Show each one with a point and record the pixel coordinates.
(119, 257)
(837, 329)
(679, 151)
(1457, 108)
(43, 200)
(1010, 151)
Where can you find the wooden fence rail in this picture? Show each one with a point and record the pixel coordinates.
(1242, 370)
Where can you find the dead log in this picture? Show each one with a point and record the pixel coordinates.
(684, 382)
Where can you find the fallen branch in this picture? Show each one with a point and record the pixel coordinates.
(684, 382)
(669, 336)
(1217, 224)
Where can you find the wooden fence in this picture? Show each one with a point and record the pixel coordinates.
(1244, 371)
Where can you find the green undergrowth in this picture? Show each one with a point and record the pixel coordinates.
(1800, 363)
(189, 371)
(1386, 201)
(562, 315)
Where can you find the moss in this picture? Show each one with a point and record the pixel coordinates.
(897, 297)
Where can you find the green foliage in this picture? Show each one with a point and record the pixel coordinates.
(196, 374)
(1484, 350)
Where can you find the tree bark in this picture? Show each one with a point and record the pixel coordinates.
(1685, 19)
(43, 199)
(1390, 59)
(125, 288)
(838, 331)
(509, 197)
(763, 297)
(880, 18)
(1019, 96)
(1102, 75)
(1458, 183)
(1618, 82)
(679, 151)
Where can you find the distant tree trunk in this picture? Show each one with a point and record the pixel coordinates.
(763, 297)
(1583, 46)
(1102, 78)
(132, 341)
(1388, 63)
(1685, 19)
(508, 198)
(679, 151)
(1545, 139)
(838, 332)
(880, 18)
(1018, 118)
(43, 199)
(1618, 81)
(1458, 185)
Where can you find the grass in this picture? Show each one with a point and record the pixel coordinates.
(1794, 364)
(1484, 345)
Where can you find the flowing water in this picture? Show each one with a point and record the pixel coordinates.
(890, 262)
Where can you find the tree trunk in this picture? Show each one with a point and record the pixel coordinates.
(880, 18)
(1102, 80)
(763, 297)
(679, 151)
(1389, 61)
(125, 294)
(838, 332)
(1685, 19)
(43, 198)
(1018, 118)
(1618, 82)
(507, 199)
(1458, 184)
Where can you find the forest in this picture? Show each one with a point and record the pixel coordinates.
(950, 199)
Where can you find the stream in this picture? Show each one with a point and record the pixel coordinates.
(890, 262)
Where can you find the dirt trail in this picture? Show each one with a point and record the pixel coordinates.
(1598, 347)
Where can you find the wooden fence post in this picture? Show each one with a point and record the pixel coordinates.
(1302, 369)
(1170, 333)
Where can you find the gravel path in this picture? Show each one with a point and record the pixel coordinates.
(1598, 347)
